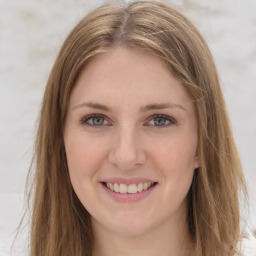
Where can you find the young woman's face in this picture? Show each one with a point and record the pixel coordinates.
(131, 141)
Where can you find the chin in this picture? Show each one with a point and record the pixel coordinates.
(130, 226)
(130, 230)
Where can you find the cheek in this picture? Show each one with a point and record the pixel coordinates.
(176, 153)
(84, 156)
(175, 159)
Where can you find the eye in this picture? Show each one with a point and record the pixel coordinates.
(95, 120)
(161, 121)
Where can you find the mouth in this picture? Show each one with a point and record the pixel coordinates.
(129, 188)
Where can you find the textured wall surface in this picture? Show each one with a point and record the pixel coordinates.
(31, 32)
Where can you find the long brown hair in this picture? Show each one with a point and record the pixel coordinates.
(60, 224)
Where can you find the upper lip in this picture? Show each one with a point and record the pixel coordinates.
(127, 181)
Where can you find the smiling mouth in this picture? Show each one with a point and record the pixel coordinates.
(129, 189)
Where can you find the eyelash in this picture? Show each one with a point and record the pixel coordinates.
(85, 120)
(162, 116)
(169, 119)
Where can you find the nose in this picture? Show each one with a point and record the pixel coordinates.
(126, 151)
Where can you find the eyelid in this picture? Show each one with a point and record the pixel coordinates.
(84, 120)
(169, 118)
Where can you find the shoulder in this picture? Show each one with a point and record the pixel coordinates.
(248, 244)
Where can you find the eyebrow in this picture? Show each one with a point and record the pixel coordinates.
(160, 106)
(143, 109)
(93, 105)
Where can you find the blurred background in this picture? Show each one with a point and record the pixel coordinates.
(31, 33)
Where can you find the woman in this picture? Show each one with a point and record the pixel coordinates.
(134, 152)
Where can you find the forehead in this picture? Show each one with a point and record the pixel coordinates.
(128, 76)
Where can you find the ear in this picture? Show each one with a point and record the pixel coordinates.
(197, 162)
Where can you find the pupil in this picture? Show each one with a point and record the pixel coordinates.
(98, 120)
(160, 121)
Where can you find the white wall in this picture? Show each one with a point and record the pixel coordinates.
(31, 32)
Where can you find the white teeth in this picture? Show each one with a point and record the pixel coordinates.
(140, 187)
(123, 188)
(145, 186)
(130, 189)
(116, 187)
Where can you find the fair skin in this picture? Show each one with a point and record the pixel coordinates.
(131, 141)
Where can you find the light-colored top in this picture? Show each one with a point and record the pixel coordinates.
(248, 244)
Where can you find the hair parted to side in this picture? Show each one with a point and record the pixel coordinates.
(60, 224)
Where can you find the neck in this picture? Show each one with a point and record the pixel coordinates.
(169, 238)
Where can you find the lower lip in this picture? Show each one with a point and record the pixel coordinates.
(129, 197)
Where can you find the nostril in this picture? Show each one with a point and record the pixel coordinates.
(127, 156)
